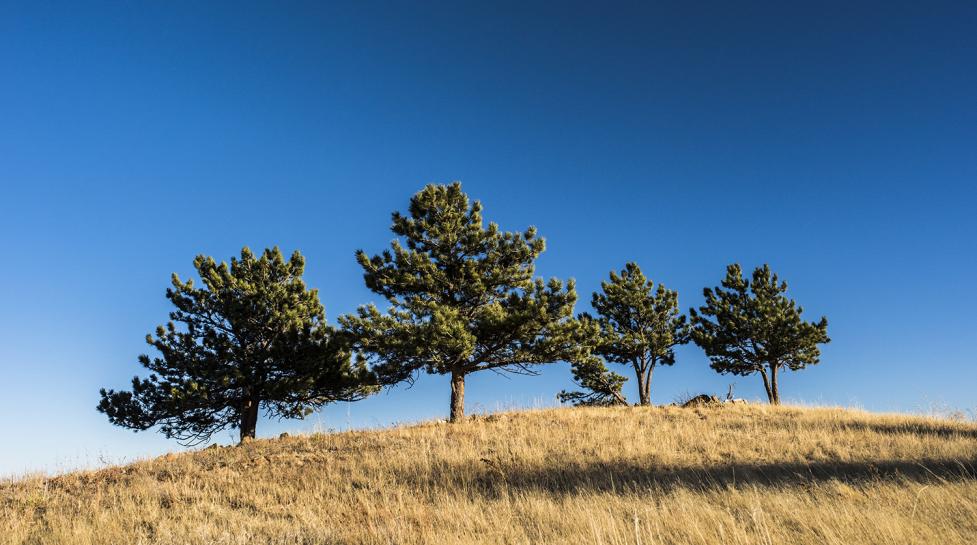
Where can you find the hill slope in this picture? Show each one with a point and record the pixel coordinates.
(731, 474)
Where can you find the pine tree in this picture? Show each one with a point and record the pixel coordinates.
(602, 387)
(463, 298)
(752, 327)
(640, 326)
(252, 337)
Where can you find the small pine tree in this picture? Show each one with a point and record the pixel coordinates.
(752, 327)
(462, 297)
(639, 326)
(253, 337)
(602, 387)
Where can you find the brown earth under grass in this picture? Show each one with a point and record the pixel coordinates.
(728, 474)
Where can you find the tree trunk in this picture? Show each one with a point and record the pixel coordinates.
(640, 371)
(249, 419)
(651, 370)
(644, 386)
(775, 399)
(766, 386)
(621, 399)
(457, 396)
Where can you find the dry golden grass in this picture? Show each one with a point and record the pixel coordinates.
(731, 474)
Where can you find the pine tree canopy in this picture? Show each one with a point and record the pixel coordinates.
(252, 337)
(639, 326)
(462, 296)
(749, 327)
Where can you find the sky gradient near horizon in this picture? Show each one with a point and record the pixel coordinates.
(835, 141)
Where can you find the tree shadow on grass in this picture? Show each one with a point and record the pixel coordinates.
(942, 430)
(936, 429)
(495, 477)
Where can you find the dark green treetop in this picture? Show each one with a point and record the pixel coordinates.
(463, 298)
(640, 326)
(749, 327)
(252, 337)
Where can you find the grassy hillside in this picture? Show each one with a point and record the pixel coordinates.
(732, 474)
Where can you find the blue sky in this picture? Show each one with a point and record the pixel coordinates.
(836, 142)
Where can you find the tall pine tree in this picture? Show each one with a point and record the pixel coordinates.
(749, 327)
(640, 326)
(253, 337)
(463, 298)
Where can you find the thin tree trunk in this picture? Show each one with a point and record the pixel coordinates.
(773, 384)
(651, 370)
(766, 385)
(457, 396)
(249, 419)
(621, 399)
(617, 395)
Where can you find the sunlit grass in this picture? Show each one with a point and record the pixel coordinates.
(731, 474)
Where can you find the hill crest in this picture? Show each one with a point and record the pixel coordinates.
(726, 474)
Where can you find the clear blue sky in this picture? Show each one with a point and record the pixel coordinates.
(836, 142)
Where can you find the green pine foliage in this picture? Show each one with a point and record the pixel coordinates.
(639, 326)
(253, 337)
(602, 387)
(463, 298)
(749, 327)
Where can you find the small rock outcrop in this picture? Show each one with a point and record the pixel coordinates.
(701, 400)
